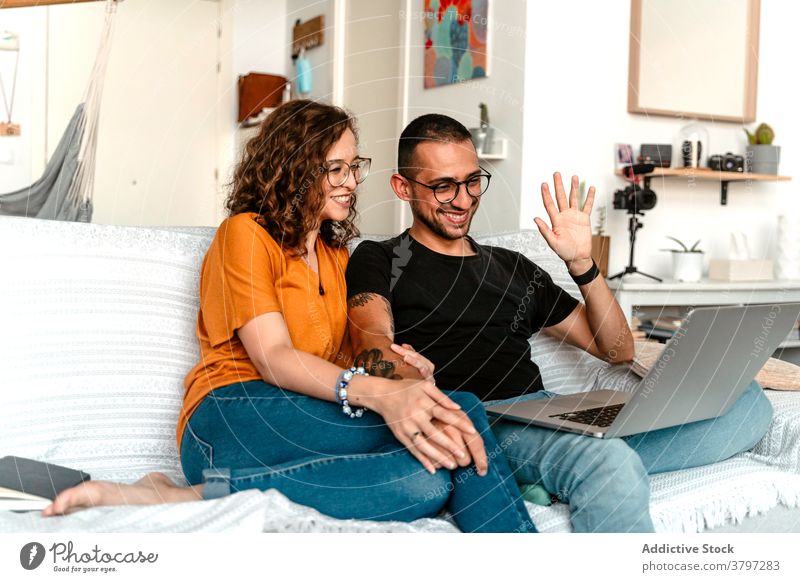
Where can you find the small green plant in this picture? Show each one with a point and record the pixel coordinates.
(684, 248)
(763, 135)
(601, 221)
(484, 115)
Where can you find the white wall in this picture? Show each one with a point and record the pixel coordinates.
(253, 40)
(259, 37)
(23, 156)
(157, 141)
(320, 58)
(502, 91)
(371, 83)
(576, 109)
(59, 45)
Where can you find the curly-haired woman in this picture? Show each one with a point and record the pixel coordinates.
(273, 402)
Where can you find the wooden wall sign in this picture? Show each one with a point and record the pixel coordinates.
(9, 129)
(24, 3)
(308, 34)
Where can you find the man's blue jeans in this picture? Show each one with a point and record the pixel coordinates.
(258, 436)
(605, 481)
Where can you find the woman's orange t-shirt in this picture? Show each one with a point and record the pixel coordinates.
(245, 274)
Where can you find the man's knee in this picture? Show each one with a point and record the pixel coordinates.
(611, 460)
(752, 412)
(756, 403)
(616, 452)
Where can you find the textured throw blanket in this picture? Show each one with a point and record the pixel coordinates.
(682, 501)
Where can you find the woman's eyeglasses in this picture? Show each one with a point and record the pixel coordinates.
(338, 171)
(447, 190)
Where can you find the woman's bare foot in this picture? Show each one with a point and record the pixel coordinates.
(151, 489)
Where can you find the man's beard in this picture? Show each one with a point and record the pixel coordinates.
(436, 227)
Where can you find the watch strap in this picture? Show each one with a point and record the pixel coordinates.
(588, 276)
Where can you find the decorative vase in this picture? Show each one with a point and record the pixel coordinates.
(692, 142)
(483, 139)
(762, 159)
(687, 267)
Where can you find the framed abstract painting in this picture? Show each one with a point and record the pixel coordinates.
(455, 41)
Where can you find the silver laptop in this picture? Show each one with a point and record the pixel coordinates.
(702, 371)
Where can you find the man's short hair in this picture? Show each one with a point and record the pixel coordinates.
(429, 127)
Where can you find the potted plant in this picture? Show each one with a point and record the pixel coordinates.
(687, 263)
(761, 156)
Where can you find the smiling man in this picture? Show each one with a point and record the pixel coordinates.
(458, 303)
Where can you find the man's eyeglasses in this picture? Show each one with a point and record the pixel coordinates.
(447, 190)
(338, 171)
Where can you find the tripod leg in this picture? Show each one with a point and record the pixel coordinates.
(651, 276)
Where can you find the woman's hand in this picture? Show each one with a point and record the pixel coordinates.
(413, 358)
(470, 444)
(409, 407)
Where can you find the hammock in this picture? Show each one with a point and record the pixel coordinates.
(64, 191)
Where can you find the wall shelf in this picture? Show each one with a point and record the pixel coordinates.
(707, 174)
(23, 3)
(500, 153)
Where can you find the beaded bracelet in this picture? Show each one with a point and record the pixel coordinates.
(341, 391)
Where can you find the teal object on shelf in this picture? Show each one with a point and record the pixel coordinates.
(304, 77)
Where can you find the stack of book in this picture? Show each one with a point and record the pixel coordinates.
(638, 334)
(660, 328)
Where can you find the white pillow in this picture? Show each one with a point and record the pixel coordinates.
(96, 335)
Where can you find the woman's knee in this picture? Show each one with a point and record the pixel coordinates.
(427, 494)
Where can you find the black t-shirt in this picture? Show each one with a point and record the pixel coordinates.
(471, 316)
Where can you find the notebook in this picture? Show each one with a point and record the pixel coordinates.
(29, 485)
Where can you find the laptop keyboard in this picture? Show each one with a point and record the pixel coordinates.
(601, 416)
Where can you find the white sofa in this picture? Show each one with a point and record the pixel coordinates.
(97, 332)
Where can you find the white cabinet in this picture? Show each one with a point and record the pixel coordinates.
(634, 295)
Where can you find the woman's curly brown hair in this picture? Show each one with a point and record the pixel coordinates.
(280, 173)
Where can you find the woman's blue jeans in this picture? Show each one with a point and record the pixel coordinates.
(256, 435)
(606, 481)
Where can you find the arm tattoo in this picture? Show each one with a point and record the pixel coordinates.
(372, 361)
(362, 299)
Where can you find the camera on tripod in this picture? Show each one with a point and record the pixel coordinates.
(636, 197)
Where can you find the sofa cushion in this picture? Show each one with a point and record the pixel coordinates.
(98, 332)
